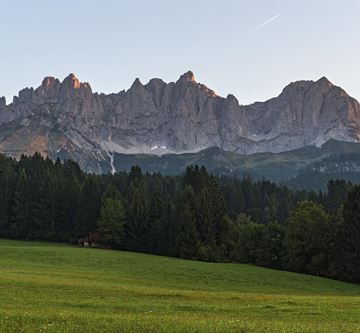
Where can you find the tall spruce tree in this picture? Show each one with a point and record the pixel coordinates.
(21, 218)
(349, 240)
(136, 227)
(112, 221)
(188, 239)
(270, 248)
(89, 206)
(8, 180)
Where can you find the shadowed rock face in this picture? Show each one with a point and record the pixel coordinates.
(181, 116)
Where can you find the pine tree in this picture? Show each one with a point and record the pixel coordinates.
(156, 236)
(111, 222)
(89, 206)
(46, 208)
(8, 179)
(67, 202)
(188, 238)
(270, 248)
(21, 219)
(337, 191)
(349, 240)
(136, 228)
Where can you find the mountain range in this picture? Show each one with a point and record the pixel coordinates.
(66, 119)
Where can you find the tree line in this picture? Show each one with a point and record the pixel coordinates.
(193, 216)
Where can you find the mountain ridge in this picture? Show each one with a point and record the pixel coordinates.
(66, 119)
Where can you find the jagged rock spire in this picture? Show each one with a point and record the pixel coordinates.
(188, 76)
(2, 102)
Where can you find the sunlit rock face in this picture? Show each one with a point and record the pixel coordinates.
(181, 116)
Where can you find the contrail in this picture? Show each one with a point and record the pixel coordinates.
(264, 23)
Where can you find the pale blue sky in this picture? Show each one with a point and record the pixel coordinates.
(111, 42)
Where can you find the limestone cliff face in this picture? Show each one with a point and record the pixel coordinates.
(67, 119)
(304, 113)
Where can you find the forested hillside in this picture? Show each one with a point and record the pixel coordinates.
(195, 215)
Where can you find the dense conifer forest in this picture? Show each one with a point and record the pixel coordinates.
(194, 215)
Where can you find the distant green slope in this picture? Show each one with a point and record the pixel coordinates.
(279, 167)
(55, 288)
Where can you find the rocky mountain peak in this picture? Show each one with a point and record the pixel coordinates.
(73, 83)
(323, 85)
(137, 89)
(49, 82)
(156, 82)
(187, 82)
(303, 85)
(2, 102)
(156, 87)
(136, 84)
(187, 77)
(324, 81)
(231, 99)
(49, 87)
(297, 86)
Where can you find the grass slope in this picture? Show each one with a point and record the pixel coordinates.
(57, 288)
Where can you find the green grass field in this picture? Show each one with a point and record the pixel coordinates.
(57, 288)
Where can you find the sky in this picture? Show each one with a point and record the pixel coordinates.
(251, 49)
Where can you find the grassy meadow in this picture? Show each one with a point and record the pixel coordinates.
(58, 288)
